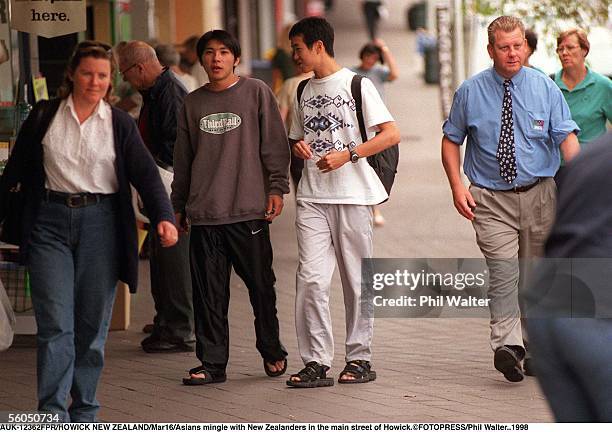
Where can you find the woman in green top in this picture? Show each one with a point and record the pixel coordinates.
(588, 94)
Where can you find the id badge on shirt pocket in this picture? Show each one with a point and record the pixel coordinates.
(537, 126)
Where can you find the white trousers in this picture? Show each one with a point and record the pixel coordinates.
(326, 234)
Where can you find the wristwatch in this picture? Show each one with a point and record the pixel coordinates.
(354, 156)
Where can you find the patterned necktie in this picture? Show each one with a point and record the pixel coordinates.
(506, 155)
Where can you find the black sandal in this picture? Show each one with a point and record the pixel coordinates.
(313, 375)
(360, 370)
(271, 373)
(209, 377)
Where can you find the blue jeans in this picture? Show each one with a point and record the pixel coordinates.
(572, 359)
(74, 268)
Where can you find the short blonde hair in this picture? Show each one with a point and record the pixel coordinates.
(506, 24)
(583, 41)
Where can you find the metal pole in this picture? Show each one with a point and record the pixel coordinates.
(458, 43)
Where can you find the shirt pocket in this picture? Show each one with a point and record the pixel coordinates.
(537, 124)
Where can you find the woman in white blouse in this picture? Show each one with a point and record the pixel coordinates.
(75, 158)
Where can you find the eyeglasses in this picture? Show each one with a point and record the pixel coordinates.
(567, 48)
(124, 71)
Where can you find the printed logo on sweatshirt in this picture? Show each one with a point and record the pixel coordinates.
(219, 123)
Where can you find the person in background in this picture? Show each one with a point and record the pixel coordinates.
(283, 67)
(169, 57)
(162, 96)
(126, 97)
(570, 331)
(531, 44)
(190, 61)
(588, 94)
(377, 64)
(371, 13)
(75, 159)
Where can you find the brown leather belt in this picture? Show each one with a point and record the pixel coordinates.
(76, 200)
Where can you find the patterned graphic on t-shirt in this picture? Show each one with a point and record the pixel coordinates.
(321, 119)
(319, 123)
(323, 146)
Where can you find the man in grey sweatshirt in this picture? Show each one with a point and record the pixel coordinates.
(231, 160)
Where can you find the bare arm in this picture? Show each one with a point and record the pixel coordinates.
(389, 135)
(462, 198)
(570, 147)
(389, 60)
(284, 112)
(300, 149)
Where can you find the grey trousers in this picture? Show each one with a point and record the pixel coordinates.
(326, 234)
(511, 229)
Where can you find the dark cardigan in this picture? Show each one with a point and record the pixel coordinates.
(133, 164)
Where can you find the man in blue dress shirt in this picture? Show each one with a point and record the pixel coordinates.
(516, 122)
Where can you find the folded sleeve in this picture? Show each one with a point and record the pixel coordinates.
(455, 126)
(561, 123)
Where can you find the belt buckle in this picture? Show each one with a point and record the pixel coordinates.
(525, 188)
(75, 201)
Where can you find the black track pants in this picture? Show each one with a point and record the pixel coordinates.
(214, 250)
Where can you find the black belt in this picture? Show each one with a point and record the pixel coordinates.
(519, 189)
(76, 200)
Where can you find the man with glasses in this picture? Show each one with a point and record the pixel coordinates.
(516, 123)
(162, 97)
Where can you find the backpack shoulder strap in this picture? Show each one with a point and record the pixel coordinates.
(356, 93)
(300, 89)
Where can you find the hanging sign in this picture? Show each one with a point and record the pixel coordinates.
(48, 18)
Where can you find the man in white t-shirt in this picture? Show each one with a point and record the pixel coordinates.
(334, 203)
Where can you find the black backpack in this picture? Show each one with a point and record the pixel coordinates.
(385, 162)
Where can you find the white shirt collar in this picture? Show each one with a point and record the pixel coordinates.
(102, 110)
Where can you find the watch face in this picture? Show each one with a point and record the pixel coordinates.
(354, 157)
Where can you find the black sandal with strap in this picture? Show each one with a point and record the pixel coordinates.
(360, 370)
(313, 375)
(272, 373)
(209, 377)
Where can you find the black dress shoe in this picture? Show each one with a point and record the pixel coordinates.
(162, 346)
(507, 360)
(154, 338)
(528, 367)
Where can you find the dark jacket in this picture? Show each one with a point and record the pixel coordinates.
(162, 103)
(133, 165)
(573, 280)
